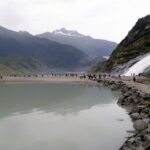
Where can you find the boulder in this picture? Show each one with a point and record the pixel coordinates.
(140, 125)
(148, 129)
(126, 94)
(135, 116)
(147, 138)
(140, 148)
(147, 121)
(121, 99)
(135, 99)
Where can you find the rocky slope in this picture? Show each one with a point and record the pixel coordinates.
(134, 47)
(92, 47)
(23, 52)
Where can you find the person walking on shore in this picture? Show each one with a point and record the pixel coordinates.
(99, 76)
(1, 77)
(134, 79)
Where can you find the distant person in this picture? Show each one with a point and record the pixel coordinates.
(94, 76)
(100, 76)
(104, 76)
(84, 76)
(134, 79)
(1, 77)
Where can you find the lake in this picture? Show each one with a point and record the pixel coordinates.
(44, 116)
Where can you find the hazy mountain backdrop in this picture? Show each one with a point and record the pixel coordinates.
(23, 52)
(92, 47)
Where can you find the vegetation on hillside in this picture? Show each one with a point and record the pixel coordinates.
(136, 43)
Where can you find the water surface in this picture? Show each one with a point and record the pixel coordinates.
(60, 117)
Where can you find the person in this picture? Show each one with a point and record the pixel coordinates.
(94, 76)
(99, 76)
(1, 77)
(134, 79)
(104, 75)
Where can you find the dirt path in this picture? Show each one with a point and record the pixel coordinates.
(126, 80)
(140, 86)
(45, 80)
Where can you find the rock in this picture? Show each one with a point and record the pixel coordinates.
(127, 94)
(140, 147)
(147, 121)
(148, 129)
(135, 99)
(147, 138)
(114, 87)
(139, 125)
(143, 115)
(121, 99)
(135, 116)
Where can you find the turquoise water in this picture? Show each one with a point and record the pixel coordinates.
(60, 117)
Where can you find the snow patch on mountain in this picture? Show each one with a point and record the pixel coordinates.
(139, 67)
(106, 57)
(64, 32)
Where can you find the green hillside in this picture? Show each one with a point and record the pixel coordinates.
(135, 44)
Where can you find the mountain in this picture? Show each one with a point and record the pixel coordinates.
(132, 49)
(92, 47)
(23, 52)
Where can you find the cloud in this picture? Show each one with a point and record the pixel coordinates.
(107, 19)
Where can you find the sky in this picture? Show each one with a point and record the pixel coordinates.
(101, 19)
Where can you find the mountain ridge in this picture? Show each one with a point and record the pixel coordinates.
(87, 44)
(23, 52)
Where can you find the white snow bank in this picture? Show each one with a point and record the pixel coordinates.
(106, 57)
(139, 67)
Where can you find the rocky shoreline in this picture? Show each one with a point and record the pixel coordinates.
(139, 102)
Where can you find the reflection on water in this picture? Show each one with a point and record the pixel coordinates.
(60, 117)
(58, 98)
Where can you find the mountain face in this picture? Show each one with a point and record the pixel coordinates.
(132, 49)
(92, 47)
(23, 52)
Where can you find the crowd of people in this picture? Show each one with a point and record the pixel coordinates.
(80, 75)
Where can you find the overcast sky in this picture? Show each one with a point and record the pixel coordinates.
(105, 19)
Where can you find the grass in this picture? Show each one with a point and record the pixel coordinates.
(144, 80)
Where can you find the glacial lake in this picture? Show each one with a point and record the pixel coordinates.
(44, 116)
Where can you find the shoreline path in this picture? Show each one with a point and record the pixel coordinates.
(62, 79)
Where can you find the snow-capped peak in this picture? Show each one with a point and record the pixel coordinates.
(65, 32)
